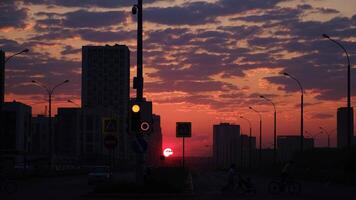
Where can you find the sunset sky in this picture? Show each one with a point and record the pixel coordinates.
(204, 61)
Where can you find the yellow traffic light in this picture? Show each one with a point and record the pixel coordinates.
(135, 108)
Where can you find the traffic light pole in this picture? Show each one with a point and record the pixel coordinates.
(138, 84)
(183, 153)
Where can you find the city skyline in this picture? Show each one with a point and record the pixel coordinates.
(206, 66)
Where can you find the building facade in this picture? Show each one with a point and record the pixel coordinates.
(226, 145)
(105, 90)
(342, 135)
(154, 141)
(40, 139)
(68, 135)
(2, 77)
(288, 145)
(17, 131)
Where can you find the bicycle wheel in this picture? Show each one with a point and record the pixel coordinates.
(274, 187)
(10, 187)
(294, 188)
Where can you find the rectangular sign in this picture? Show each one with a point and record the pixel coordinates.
(183, 129)
(110, 125)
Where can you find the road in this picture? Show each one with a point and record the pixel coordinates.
(206, 186)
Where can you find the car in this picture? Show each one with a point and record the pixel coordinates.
(99, 174)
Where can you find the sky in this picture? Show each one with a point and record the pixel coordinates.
(204, 61)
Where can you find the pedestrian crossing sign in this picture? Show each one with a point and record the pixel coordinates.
(110, 125)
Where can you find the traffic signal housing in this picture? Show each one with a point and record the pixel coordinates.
(140, 117)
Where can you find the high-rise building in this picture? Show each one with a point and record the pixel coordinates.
(342, 135)
(40, 137)
(68, 135)
(226, 144)
(17, 130)
(2, 77)
(154, 142)
(105, 93)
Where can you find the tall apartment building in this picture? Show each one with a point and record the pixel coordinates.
(68, 135)
(226, 144)
(40, 138)
(17, 131)
(2, 77)
(105, 93)
(342, 135)
(154, 150)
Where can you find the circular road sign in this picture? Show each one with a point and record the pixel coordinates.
(145, 126)
(110, 141)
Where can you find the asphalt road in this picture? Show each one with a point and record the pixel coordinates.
(207, 185)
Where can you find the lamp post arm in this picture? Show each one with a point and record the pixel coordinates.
(62, 83)
(343, 48)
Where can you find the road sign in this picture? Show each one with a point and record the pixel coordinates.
(110, 125)
(183, 129)
(110, 141)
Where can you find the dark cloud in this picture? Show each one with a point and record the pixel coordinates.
(70, 50)
(201, 12)
(321, 116)
(79, 19)
(90, 3)
(11, 16)
(83, 18)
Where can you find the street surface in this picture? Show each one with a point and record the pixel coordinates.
(207, 185)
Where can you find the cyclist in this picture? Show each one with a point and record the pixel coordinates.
(230, 177)
(285, 173)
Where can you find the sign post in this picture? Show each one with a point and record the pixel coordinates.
(183, 130)
(110, 130)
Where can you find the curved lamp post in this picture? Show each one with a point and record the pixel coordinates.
(3, 99)
(274, 130)
(349, 128)
(72, 102)
(301, 109)
(50, 92)
(15, 54)
(7, 60)
(259, 114)
(249, 142)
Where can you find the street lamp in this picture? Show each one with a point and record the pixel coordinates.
(275, 128)
(324, 130)
(349, 129)
(249, 141)
(7, 60)
(15, 54)
(72, 102)
(50, 92)
(259, 114)
(301, 109)
(2, 100)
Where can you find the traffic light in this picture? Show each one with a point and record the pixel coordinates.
(141, 117)
(135, 118)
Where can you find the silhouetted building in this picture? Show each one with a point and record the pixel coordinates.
(342, 135)
(105, 89)
(226, 144)
(68, 135)
(288, 145)
(2, 77)
(40, 139)
(154, 142)
(17, 130)
(246, 149)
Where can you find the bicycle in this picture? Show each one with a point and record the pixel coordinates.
(8, 186)
(289, 185)
(243, 187)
